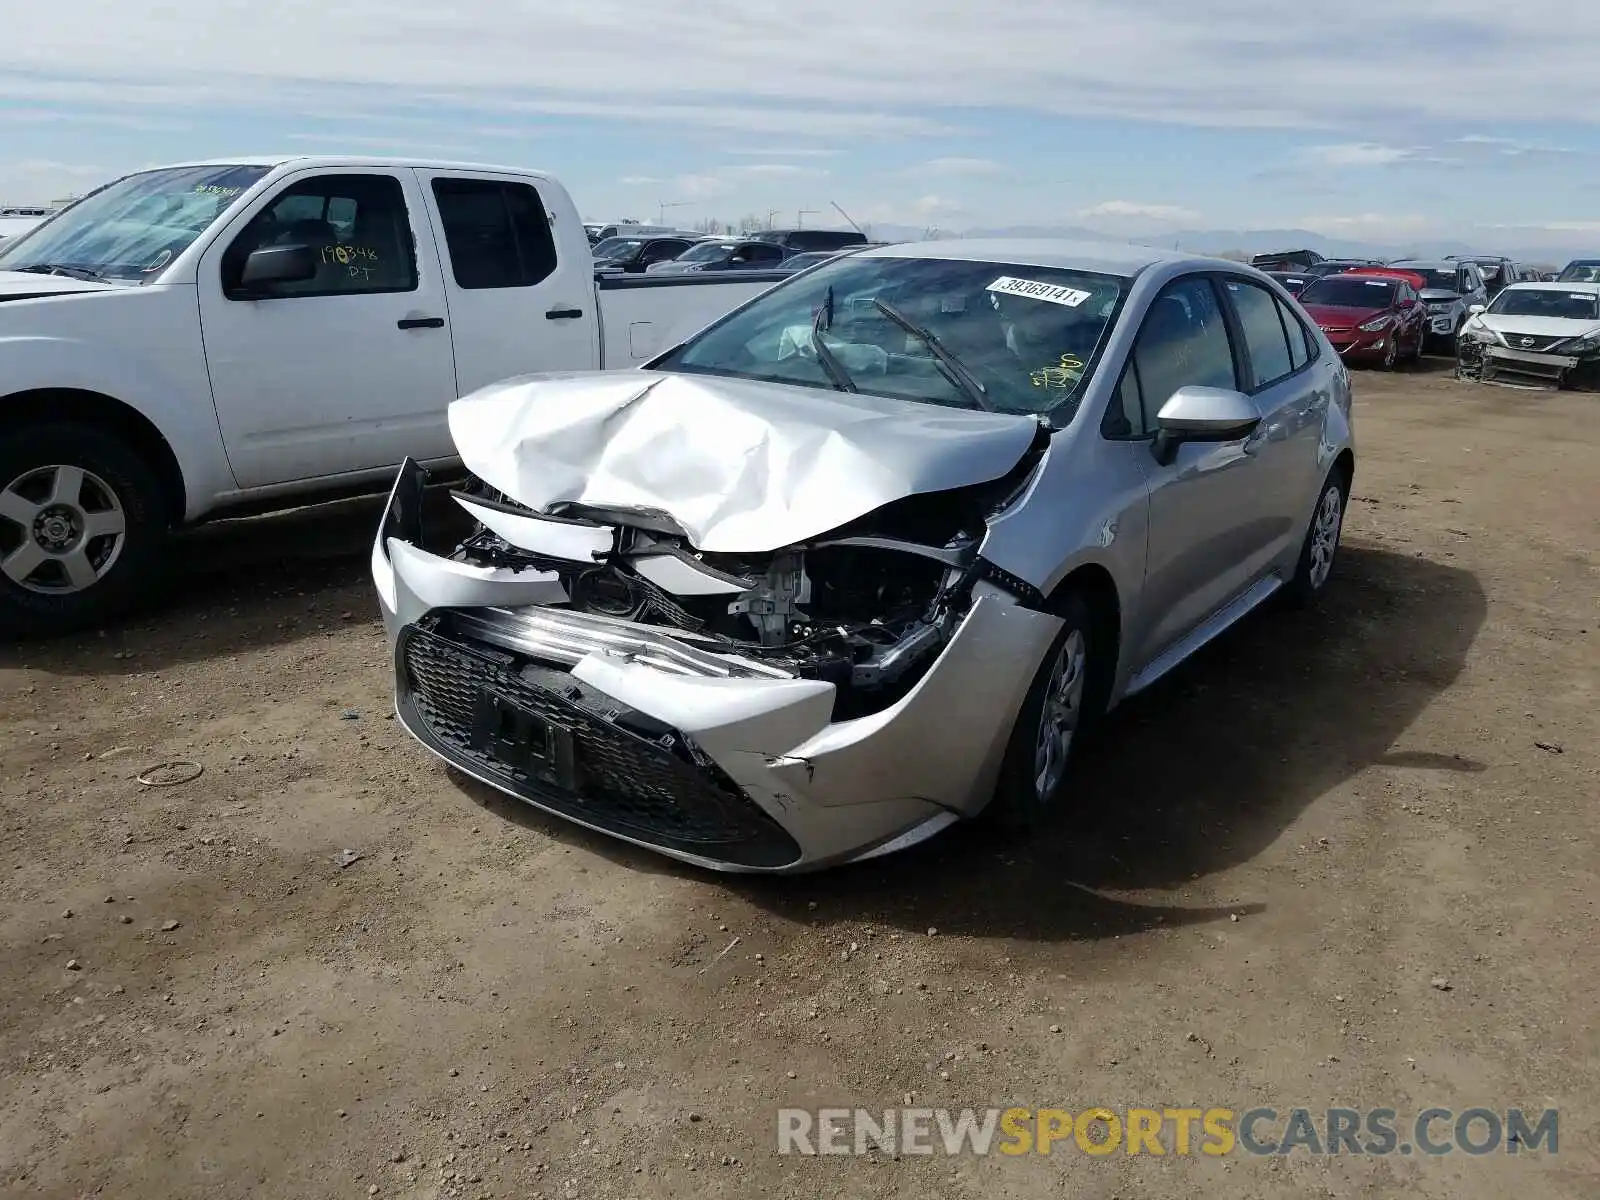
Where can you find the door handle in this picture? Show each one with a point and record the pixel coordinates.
(420, 323)
(563, 314)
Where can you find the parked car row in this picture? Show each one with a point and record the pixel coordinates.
(676, 252)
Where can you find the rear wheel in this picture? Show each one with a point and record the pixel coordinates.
(82, 523)
(1321, 546)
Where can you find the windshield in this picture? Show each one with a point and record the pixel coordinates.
(1442, 279)
(1029, 336)
(1582, 271)
(707, 252)
(1545, 302)
(131, 229)
(1349, 292)
(617, 247)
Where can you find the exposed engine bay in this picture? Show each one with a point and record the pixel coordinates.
(866, 607)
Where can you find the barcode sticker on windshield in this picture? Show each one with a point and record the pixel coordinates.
(1580, 295)
(1049, 292)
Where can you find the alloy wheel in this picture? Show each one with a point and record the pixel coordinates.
(1060, 715)
(1325, 535)
(62, 529)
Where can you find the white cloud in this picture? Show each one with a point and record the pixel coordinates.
(1131, 208)
(1357, 154)
(1242, 62)
(779, 170)
(1510, 147)
(784, 152)
(958, 166)
(1376, 225)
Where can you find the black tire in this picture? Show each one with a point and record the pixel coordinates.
(1018, 807)
(1309, 581)
(42, 610)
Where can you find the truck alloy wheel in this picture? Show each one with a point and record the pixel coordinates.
(72, 529)
(83, 521)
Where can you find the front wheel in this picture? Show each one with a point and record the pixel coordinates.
(82, 524)
(1061, 705)
(1321, 546)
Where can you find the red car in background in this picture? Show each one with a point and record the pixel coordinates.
(1370, 314)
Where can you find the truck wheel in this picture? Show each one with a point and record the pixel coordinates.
(82, 527)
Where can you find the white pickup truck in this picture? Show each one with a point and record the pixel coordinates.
(217, 338)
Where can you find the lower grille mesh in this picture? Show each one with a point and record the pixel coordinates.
(623, 781)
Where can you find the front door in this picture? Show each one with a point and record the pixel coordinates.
(350, 370)
(1205, 539)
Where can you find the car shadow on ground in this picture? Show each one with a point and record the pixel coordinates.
(1197, 775)
(240, 585)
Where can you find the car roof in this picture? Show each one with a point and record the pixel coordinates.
(349, 160)
(1106, 258)
(1427, 264)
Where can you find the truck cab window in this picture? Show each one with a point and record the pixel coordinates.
(356, 225)
(497, 233)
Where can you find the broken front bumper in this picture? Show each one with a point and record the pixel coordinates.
(668, 740)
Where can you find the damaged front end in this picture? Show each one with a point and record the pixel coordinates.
(820, 702)
(1529, 361)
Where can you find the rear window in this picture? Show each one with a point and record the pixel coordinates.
(1349, 291)
(497, 233)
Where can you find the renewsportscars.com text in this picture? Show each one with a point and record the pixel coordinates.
(1100, 1131)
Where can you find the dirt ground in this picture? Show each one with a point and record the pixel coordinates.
(1342, 858)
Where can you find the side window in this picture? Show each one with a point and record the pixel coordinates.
(663, 251)
(1183, 341)
(355, 225)
(1264, 333)
(763, 254)
(1125, 414)
(497, 233)
(1300, 343)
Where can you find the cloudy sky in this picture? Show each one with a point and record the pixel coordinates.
(1401, 117)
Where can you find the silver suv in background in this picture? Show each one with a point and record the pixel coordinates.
(1453, 286)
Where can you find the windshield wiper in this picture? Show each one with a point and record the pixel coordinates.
(837, 375)
(953, 368)
(67, 269)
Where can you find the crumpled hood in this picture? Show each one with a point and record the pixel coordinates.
(21, 284)
(1540, 327)
(1437, 295)
(742, 466)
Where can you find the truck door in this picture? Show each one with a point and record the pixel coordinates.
(519, 279)
(349, 370)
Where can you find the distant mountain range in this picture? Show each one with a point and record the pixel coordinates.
(1260, 241)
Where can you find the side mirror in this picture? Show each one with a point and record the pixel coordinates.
(1202, 414)
(1475, 309)
(277, 264)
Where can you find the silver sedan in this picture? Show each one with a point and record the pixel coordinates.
(868, 556)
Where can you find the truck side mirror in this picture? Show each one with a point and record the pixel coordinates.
(278, 264)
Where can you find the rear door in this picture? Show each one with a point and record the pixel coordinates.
(1292, 393)
(519, 281)
(348, 371)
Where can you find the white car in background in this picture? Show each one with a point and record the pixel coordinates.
(1534, 334)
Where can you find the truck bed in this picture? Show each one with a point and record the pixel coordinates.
(642, 315)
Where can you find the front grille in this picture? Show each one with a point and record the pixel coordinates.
(1528, 341)
(627, 773)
